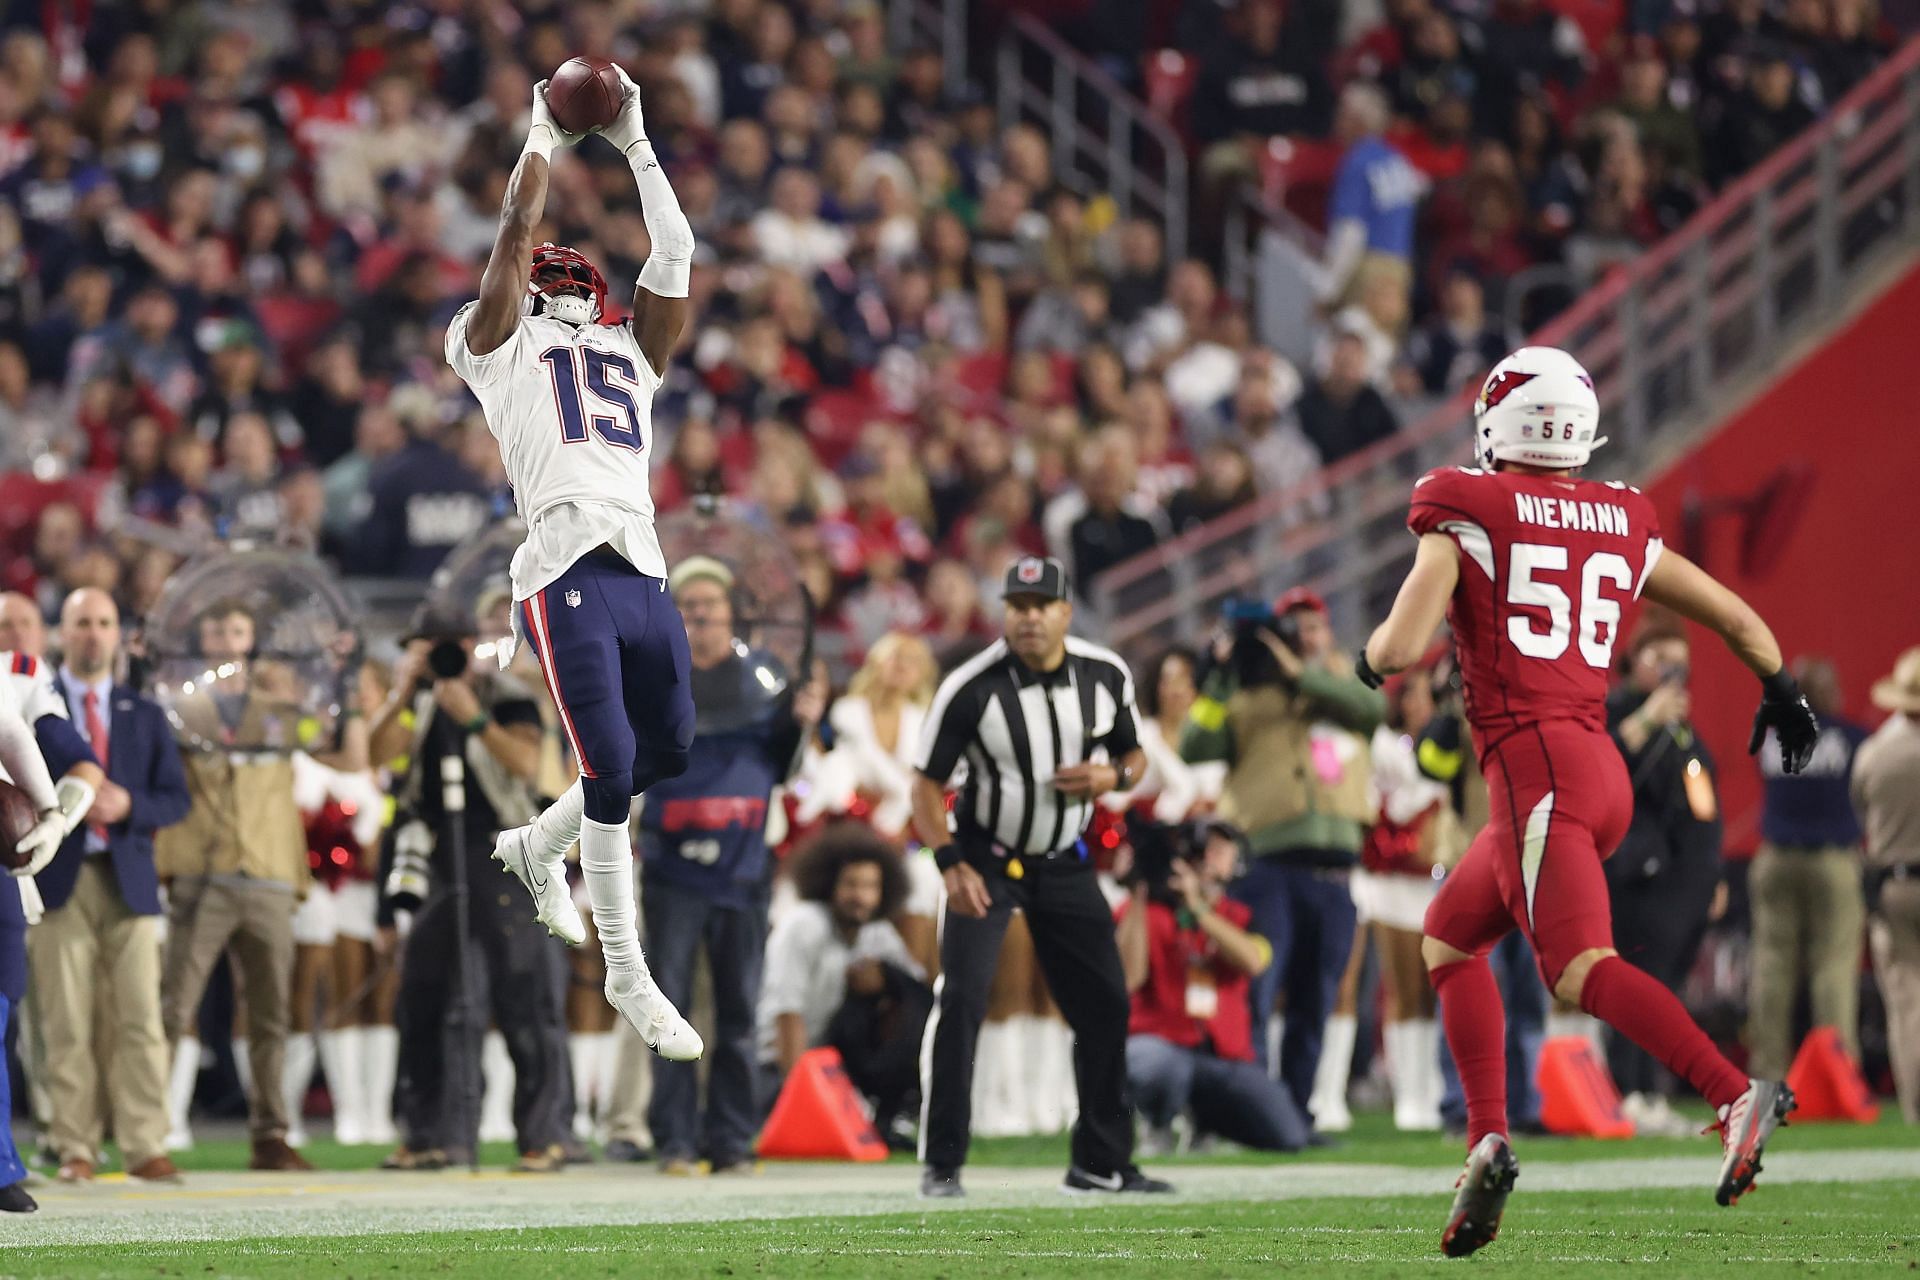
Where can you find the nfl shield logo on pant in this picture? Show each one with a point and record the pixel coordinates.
(573, 599)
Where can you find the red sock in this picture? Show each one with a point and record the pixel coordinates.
(1476, 1027)
(1632, 1003)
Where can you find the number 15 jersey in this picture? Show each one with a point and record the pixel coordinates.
(572, 409)
(1546, 567)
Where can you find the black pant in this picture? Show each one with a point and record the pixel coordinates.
(1074, 944)
(878, 1038)
(510, 977)
(1658, 922)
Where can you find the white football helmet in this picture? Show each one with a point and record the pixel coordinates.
(1537, 407)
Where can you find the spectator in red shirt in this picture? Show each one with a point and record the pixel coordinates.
(1189, 957)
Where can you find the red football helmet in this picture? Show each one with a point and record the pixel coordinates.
(566, 269)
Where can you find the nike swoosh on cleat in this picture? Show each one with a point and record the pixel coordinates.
(1112, 1182)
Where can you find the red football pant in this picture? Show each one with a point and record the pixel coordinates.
(1560, 803)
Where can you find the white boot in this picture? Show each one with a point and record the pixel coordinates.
(1411, 1110)
(243, 1064)
(340, 1058)
(995, 1059)
(496, 1102)
(582, 1053)
(1329, 1101)
(380, 1046)
(1431, 1085)
(296, 1075)
(1045, 1080)
(186, 1073)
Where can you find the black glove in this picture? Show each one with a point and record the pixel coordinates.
(1364, 669)
(1784, 709)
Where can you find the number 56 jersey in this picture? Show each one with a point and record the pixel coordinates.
(572, 410)
(1547, 565)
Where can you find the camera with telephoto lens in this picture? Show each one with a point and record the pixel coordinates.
(1252, 662)
(1157, 845)
(447, 632)
(411, 877)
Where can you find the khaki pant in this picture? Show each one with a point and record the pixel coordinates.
(204, 918)
(95, 948)
(1809, 920)
(1896, 963)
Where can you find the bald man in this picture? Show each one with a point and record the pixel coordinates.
(100, 937)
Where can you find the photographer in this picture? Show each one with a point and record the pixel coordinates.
(1283, 708)
(445, 703)
(1188, 960)
(1663, 878)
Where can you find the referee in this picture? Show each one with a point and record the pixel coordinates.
(1027, 716)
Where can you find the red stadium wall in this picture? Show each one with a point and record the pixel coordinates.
(1807, 502)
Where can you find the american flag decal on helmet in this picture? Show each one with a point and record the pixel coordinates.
(1501, 386)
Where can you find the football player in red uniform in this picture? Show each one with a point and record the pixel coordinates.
(1532, 567)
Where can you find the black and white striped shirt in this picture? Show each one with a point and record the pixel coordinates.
(1015, 727)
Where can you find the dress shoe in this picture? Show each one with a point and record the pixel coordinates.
(274, 1155)
(14, 1199)
(78, 1169)
(158, 1169)
(406, 1161)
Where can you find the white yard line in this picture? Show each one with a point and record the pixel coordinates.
(263, 1206)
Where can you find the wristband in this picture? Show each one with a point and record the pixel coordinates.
(541, 140)
(1364, 669)
(1780, 687)
(947, 857)
(478, 724)
(1122, 777)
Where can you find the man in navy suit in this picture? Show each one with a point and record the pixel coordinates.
(100, 937)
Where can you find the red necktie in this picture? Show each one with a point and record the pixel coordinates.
(97, 739)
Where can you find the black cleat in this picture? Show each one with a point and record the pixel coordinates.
(941, 1184)
(1128, 1181)
(14, 1199)
(1745, 1125)
(1482, 1196)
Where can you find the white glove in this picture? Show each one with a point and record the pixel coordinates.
(629, 126)
(543, 135)
(41, 843)
(74, 797)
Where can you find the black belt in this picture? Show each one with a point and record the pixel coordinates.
(1013, 861)
(1902, 871)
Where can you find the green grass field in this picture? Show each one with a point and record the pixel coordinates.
(1834, 1198)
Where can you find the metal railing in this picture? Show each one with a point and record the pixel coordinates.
(1103, 138)
(1712, 304)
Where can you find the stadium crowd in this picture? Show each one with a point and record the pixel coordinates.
(231, 235)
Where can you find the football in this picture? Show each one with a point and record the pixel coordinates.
(584, 94)
(17, 816)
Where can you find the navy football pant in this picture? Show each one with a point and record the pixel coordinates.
(614, 652)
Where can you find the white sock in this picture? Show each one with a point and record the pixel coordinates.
(1432, 1085)
(496, 1101)
(296, 1075)
(606, 859)
(1329, 1101)
(381, 1060)
(558, 825)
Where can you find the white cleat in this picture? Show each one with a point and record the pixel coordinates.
(653, 1016)
(552, 900)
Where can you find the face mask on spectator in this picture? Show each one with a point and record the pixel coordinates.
(142, 160)
(246, 162)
